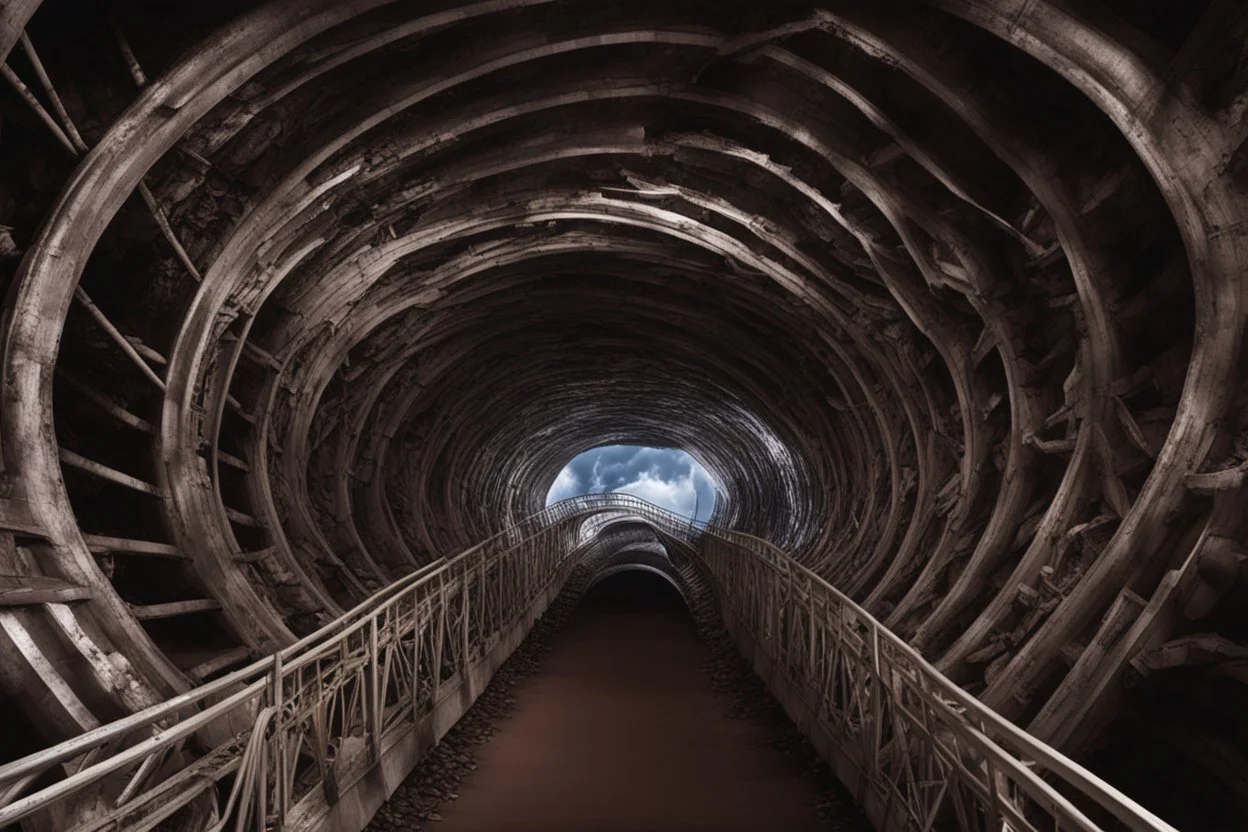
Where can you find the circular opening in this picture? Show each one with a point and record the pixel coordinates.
(667, 477)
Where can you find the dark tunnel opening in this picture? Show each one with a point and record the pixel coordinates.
(633, 591)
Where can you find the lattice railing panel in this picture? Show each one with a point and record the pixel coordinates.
(241, 752)
(931, 751)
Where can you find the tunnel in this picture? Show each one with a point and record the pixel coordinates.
(309, 302)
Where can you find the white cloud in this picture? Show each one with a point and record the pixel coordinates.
(595, 482)
(566, 485)
(676, 495)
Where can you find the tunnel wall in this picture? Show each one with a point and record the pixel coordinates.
(948, 296)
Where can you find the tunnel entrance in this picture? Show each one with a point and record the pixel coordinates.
(668, 477)
(633, 591)
(625, 725)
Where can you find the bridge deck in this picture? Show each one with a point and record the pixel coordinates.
(621, 730)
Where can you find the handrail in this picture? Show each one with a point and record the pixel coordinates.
(994, 737)
(381, 666)
(480, 592)
(993, 730)
(69, 749)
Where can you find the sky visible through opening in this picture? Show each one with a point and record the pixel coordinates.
(663, 476)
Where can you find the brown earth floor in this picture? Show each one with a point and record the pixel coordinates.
(621, 731)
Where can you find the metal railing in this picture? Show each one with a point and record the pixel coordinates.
(242, 751)
(931, 753)
(247, 751)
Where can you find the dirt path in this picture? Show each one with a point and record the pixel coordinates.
(621, 730)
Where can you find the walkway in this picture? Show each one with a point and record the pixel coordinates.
(621, 731)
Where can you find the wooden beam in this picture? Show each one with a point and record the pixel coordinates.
(150, 612)
(162, 220)
(15, 519)
(238, 408)
(107, 405)
(201, 671)
(104, 472)
(1213, 482)
(25, 590)
(1198, 650)
(29, 97)
(233, 461)
(885, 156)
(19, 529)
(984, 345)
(136, 71)
(1132, 427)
(71, 132)
(256, 556)
(146, 351)
(255, 352)
(103, 543)
(1047, 258)
(121, 340)
(242, 519)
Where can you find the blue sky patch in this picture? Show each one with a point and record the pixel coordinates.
(664, 476)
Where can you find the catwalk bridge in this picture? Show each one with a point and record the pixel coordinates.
(319, 735)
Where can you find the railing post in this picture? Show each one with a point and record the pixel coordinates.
(374, 695)
(465, 611)
(483, 605)
(262, 789)
(877, 699)
(281, 774)
(415, 653)
(439, 642)
(810, 627)
(994, 790)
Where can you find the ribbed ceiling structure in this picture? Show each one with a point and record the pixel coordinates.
(948, 296)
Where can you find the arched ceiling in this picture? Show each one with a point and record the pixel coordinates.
(947, 295)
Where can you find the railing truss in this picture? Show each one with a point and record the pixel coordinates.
(253, 749)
